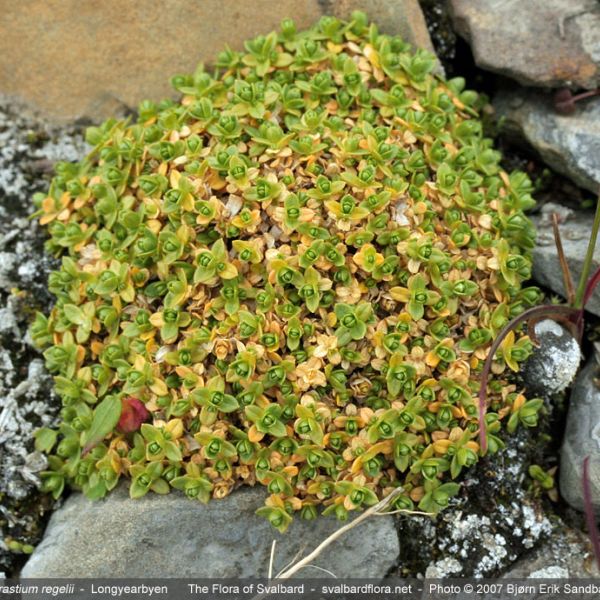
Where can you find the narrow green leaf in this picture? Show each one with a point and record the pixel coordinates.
(105, 419)
(136, 490)
(173, 452)
(160, 486)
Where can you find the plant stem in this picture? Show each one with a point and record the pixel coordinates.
(377, 509)
(564, 265)
(567, 313)
(585, 95)
(589, 257)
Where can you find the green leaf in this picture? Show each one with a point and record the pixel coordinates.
(74, 314)
(173, 452)
(137, 490)
(276, 516)
(160, 486)
(66, 387)
(180, 483)
(228, 404)
(45, 439)
(107, 285)
(277, 429)
(359, 331)
(513, 423)
(312, 303)
(415, 310)
(343, 335)
(96, 491)
(105, 419)
(150, 433)
(254, 413)
(169, 332)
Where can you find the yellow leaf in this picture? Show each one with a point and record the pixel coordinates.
(401, 294)
(175, 428)
(159, 387)
(441, 446)
(229, 272)
(157, 319)
(254, 435)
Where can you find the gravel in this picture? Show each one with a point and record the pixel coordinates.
(28, 149)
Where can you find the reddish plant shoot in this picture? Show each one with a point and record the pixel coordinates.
(133, 414)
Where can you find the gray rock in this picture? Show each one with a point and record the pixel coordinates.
(550, 43)
(26, 398)
(570, 144)
(566, 553)
(553, 365)
(494, 520)
(582, 438)
(575, 228)
(172, 536)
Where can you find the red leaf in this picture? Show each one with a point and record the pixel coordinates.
(133, 414)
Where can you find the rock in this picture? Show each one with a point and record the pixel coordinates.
(582, 437)
(570, 144)
(71, 60)
(553, 365)
(26, 398)
(549, 43)
(443, 35)
(566, 553)
(491, 523)
(172, 536)
(575, 228)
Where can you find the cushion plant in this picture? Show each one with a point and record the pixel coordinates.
(291, 275)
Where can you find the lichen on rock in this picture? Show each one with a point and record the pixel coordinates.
(553, 364)
(487, 527)
(26, 397)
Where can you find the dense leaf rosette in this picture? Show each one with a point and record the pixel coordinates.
(291, 275)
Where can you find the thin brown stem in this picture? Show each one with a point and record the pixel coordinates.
(546, 310)
(585, 95)
(564, 265)
(376, 509)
